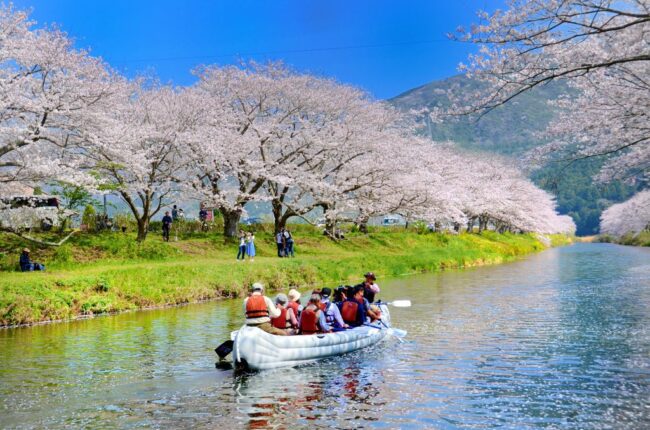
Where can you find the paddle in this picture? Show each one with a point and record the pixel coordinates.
(394, 331)
(224, 349)
(400, 303)
(397, 332)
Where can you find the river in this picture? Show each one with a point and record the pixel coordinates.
(560, 339)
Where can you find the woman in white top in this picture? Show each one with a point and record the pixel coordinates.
(242, 245)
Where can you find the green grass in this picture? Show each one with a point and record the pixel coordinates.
(110, 272)
(639, 239)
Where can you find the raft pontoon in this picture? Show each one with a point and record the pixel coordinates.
(257, 350)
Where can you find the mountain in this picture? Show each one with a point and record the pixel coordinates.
(513, 129)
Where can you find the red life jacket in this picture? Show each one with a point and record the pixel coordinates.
(294, 306)
(282, 321)
(256, 307)
(309, 321)
(349, 311)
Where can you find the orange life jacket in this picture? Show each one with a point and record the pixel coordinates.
(309, 321)
(322, 306)
(294, 305)
(256, 307)
(349, 311)
(282, 321)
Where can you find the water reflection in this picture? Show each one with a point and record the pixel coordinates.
(561, 340)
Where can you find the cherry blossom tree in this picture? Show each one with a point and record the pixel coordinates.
(348, 155)
(629, 217)
(262, 133)
(136, 146)
(278, 136)
(599, 47)
(234, 155)
(46, 88)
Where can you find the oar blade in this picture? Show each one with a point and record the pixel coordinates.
(401, 303)
(224, 349)
(397, 332)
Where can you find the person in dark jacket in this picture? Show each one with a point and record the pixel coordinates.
(26, 265)
(166, 226)
(370, 288)
(360, 308)
(288, 240)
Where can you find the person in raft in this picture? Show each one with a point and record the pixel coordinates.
(259, 310)
(294, 302)
(312, 318)
(370, 288)
(287, 320)
(356, 309)
(332, 313)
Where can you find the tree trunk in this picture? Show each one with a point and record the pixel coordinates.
(470, 224)
(230, 221)
(64, 225)
(362, 223)
(330, 223)
(276, 209)
(482, 223)
(281, 218)
(143, 228)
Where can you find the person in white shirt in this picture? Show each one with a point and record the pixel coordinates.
(280, 242)
(259, 310)
(332, 312)
(242, 245)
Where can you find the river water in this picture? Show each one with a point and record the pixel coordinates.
(558, 340)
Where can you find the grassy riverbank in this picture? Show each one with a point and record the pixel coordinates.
(640, 239)
(109, 272)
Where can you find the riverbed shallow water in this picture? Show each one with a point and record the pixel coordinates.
(560, 339)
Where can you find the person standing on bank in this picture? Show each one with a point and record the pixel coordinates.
(259, 310)
(250, 246)
(242, 246)
(175, 213)
(279, 240)
(166, 226)
(288, 239)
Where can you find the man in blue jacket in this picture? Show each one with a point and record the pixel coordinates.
(166, 226)
(26, 265)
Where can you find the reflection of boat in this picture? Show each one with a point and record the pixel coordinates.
(258, 350)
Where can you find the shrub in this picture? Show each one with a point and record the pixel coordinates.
(89, 218)
(63, 254)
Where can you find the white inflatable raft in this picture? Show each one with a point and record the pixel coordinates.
(257, 350)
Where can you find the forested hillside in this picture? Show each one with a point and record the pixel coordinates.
(512, 130)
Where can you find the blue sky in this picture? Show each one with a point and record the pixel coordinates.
(385, 47)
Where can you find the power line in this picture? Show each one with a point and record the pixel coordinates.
(279, 52)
